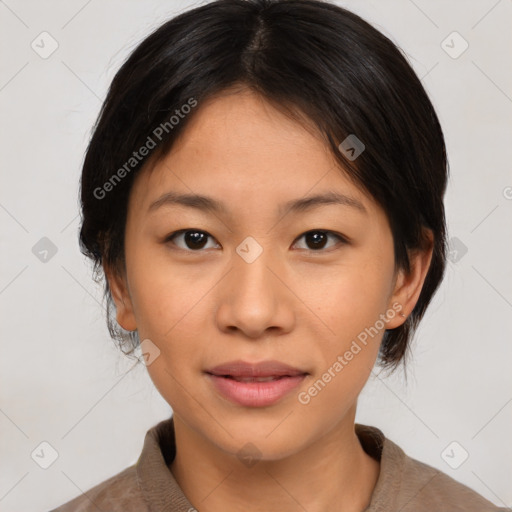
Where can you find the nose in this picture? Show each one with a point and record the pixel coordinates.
(255, 299)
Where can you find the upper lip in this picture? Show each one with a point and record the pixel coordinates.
(261, 369)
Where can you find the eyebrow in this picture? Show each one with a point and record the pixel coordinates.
(209, 204)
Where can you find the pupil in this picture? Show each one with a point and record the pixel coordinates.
(318, 238)
(193, 238)
(197, 239)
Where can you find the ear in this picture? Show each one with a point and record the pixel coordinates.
(119, 289)
(408, 286)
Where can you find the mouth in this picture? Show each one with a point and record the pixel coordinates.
(262, 370)
(253, 379)
(255, 385)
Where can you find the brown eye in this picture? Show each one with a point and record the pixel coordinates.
(317, 240)
(193, 239)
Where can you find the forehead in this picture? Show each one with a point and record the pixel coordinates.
(241, 148)
(243, 131)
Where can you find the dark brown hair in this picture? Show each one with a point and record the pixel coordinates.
(313, 60)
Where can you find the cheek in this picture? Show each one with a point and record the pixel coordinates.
(351, 302)
(171, 314)
(352, 295)
(163, 295)
(169, 304)
(351, 306)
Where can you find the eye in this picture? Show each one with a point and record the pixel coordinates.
(317, 239)
(194, 239)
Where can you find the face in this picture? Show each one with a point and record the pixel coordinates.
(312, 286)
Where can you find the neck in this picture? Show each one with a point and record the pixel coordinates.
(334, 473)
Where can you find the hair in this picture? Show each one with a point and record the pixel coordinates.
(319, 64)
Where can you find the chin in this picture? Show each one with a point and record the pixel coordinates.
(269, 440)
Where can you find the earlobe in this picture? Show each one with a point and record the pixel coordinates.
(124, 308)
(408, 285)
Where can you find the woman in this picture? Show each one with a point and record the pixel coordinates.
(264, 193)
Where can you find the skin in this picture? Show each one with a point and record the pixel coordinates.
(294, 303)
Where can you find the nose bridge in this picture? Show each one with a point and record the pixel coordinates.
(250, 269)
(254, 299)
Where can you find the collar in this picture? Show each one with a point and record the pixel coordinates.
(160, 488)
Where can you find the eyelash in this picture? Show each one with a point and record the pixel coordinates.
(344, 240)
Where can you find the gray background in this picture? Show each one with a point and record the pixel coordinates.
(63, 381)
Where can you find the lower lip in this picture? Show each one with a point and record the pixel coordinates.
(255, 394)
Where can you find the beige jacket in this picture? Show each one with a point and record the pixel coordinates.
(404, 484)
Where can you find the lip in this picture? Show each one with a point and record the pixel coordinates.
(255, 393)
(270, 368)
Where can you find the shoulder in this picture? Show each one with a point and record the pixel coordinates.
(425, 488)
(409, 485)
(120, 492)
(428, 487)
